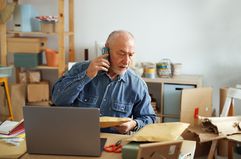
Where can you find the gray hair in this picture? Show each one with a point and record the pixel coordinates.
(117, 33)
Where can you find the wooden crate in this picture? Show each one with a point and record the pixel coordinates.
(26, 44)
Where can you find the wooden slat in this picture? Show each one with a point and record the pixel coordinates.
(212, 149)
(38, 33)
(71, 29)
(61, 42)
(223, 95)
(3, 38)
(233, 93)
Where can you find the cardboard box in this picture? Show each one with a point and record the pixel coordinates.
(34, 76)
(38, 92)
(45, 104)
(202, 146)
(48, 27)
(23, 78)
(199, 99)
(26, 44)
(18, 98)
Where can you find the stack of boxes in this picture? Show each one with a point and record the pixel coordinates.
(37, 90)
(28, 54)
(27, 50)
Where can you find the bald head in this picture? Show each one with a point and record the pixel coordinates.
(119, 36)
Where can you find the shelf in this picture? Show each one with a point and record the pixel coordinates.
(182, 79)
(170, 115)
(167, 94)
(63, 12)
(46, 67)
(38, 33)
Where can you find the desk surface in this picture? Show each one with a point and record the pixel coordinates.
(188, 146)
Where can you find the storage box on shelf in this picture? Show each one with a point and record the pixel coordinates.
(27, 60)
(26, 44)
(48, 27)
(167, 92)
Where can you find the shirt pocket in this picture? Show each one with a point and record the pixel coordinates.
(122, 108)
(87, 100)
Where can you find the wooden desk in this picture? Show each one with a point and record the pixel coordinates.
(188, 146)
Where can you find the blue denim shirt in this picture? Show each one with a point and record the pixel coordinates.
(125, 96)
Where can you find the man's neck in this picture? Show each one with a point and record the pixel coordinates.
(112, 74)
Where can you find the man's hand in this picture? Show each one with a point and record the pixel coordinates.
(98, 64)
(126, 127)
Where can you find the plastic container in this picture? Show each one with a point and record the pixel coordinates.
(6, 71)
(52, 57)
(150, 71)
(164, 68)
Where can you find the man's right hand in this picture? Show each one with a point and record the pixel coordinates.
(98, 64)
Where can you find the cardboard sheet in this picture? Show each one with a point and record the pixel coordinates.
(106, 121)
(236, 137)
(197, 98)
(18, 98)
(159, 132)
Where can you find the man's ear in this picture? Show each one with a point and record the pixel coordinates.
(107, 45)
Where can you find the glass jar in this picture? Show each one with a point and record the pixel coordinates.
(164, 68)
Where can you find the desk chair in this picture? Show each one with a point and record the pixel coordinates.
(233, 93)
(4, 81)
(5, 72)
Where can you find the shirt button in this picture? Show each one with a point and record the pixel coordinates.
(85, 100)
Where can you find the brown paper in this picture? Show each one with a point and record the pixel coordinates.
(106, 121)
(221, 125)
(159, 132)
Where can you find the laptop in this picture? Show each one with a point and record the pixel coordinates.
(62, 130)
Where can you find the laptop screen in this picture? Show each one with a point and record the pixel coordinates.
(62, 130)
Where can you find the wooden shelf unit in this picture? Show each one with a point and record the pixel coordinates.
(60, 34)
(157, 88)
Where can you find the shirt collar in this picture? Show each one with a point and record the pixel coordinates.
(122, 77)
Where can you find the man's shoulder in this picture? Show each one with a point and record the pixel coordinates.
(81, 65)
(133, 76)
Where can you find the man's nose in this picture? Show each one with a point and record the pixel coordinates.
(126, 59)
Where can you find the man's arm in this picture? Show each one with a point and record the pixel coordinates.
(68, 87)
(143, 112)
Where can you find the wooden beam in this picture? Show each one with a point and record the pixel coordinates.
(61, 42)
(71, 29)
(3, 38)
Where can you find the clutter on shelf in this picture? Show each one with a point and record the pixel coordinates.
(163, 69)
(48, 23)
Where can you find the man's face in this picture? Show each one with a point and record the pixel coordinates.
(121, 53)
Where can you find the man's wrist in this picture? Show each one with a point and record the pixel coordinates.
(135, 125)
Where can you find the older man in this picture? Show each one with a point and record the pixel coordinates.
(107, 83)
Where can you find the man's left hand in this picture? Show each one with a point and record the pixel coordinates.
(126, 127)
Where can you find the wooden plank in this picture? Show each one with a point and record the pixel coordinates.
(3, 38)
(233, 93)
(212, 149)
(180, 79)
(71, 29)
(223, 95)
(61, 42)
(38, 33)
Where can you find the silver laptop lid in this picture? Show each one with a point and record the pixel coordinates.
(62, 130)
